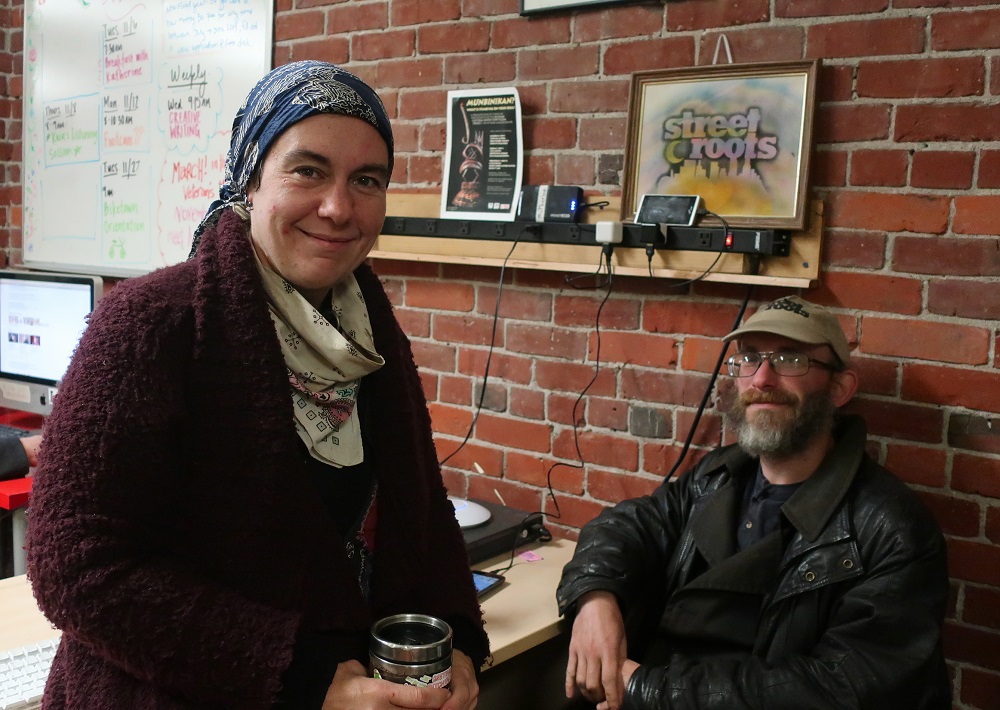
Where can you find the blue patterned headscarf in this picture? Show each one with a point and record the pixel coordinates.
(285, 96)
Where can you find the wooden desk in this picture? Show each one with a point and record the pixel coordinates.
(528, 638)
(523, 613)
(21, 623)
(521, 617)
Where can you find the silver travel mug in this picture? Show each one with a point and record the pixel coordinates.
(411, 648)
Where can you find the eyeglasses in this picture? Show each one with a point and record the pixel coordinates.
(787, 363)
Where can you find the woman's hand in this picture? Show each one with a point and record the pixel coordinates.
(464, 686)
(353, 689)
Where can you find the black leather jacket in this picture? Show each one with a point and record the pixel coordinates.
(842, 608)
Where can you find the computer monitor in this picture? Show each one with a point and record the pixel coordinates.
(42, 316)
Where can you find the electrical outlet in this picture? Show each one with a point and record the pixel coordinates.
(705, 240)
(430, 226)
(499, 229)
(574, 233)
(396, 225)
(463, 229)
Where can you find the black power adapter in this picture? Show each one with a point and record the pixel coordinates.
(550, 203)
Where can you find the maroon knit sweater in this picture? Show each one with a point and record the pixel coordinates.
(174, 535)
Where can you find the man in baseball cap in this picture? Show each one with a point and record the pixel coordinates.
(784, 412)
(790, 569)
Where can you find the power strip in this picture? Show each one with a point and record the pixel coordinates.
(766, 242)
(763, 242)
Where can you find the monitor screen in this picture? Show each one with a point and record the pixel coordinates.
(42, 316)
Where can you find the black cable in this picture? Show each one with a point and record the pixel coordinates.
(702, 275)
(706, 272)
(607, 251)
(725, 224)
(493, 339)
(606, 254)
(573, 281)
(651, 251)
(710, 387)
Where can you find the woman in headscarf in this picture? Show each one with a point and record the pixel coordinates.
(239, 475)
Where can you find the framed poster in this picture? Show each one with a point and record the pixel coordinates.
(483, 156)
(738, 135)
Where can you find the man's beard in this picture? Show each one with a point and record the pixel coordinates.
(780, 433)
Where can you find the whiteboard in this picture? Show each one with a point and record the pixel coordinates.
(128, 110)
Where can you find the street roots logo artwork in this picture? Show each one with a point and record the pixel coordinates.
(735, 142)
(718, 139)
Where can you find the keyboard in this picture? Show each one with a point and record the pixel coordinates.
(12, 432)
(23, 672)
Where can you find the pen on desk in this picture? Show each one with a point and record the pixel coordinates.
(502, 501)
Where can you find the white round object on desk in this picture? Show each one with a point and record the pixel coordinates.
(469, 513)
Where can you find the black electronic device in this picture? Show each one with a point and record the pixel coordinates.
(678, 210)
(486, 582)
(506, 529)
(549, 203)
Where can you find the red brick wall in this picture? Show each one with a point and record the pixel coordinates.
(907, 162)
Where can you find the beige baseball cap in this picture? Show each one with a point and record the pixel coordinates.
(800, 320)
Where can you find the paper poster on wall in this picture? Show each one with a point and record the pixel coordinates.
(484, 154)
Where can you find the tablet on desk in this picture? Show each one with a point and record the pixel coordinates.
(486, 582)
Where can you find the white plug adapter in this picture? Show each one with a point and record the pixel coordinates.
(609, 233)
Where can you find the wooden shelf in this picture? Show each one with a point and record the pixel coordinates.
(798, 270)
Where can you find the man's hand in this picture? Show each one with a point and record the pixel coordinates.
(353, 689)
(31, 445)
(597, 651)
(628, 668)
(464, 687)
